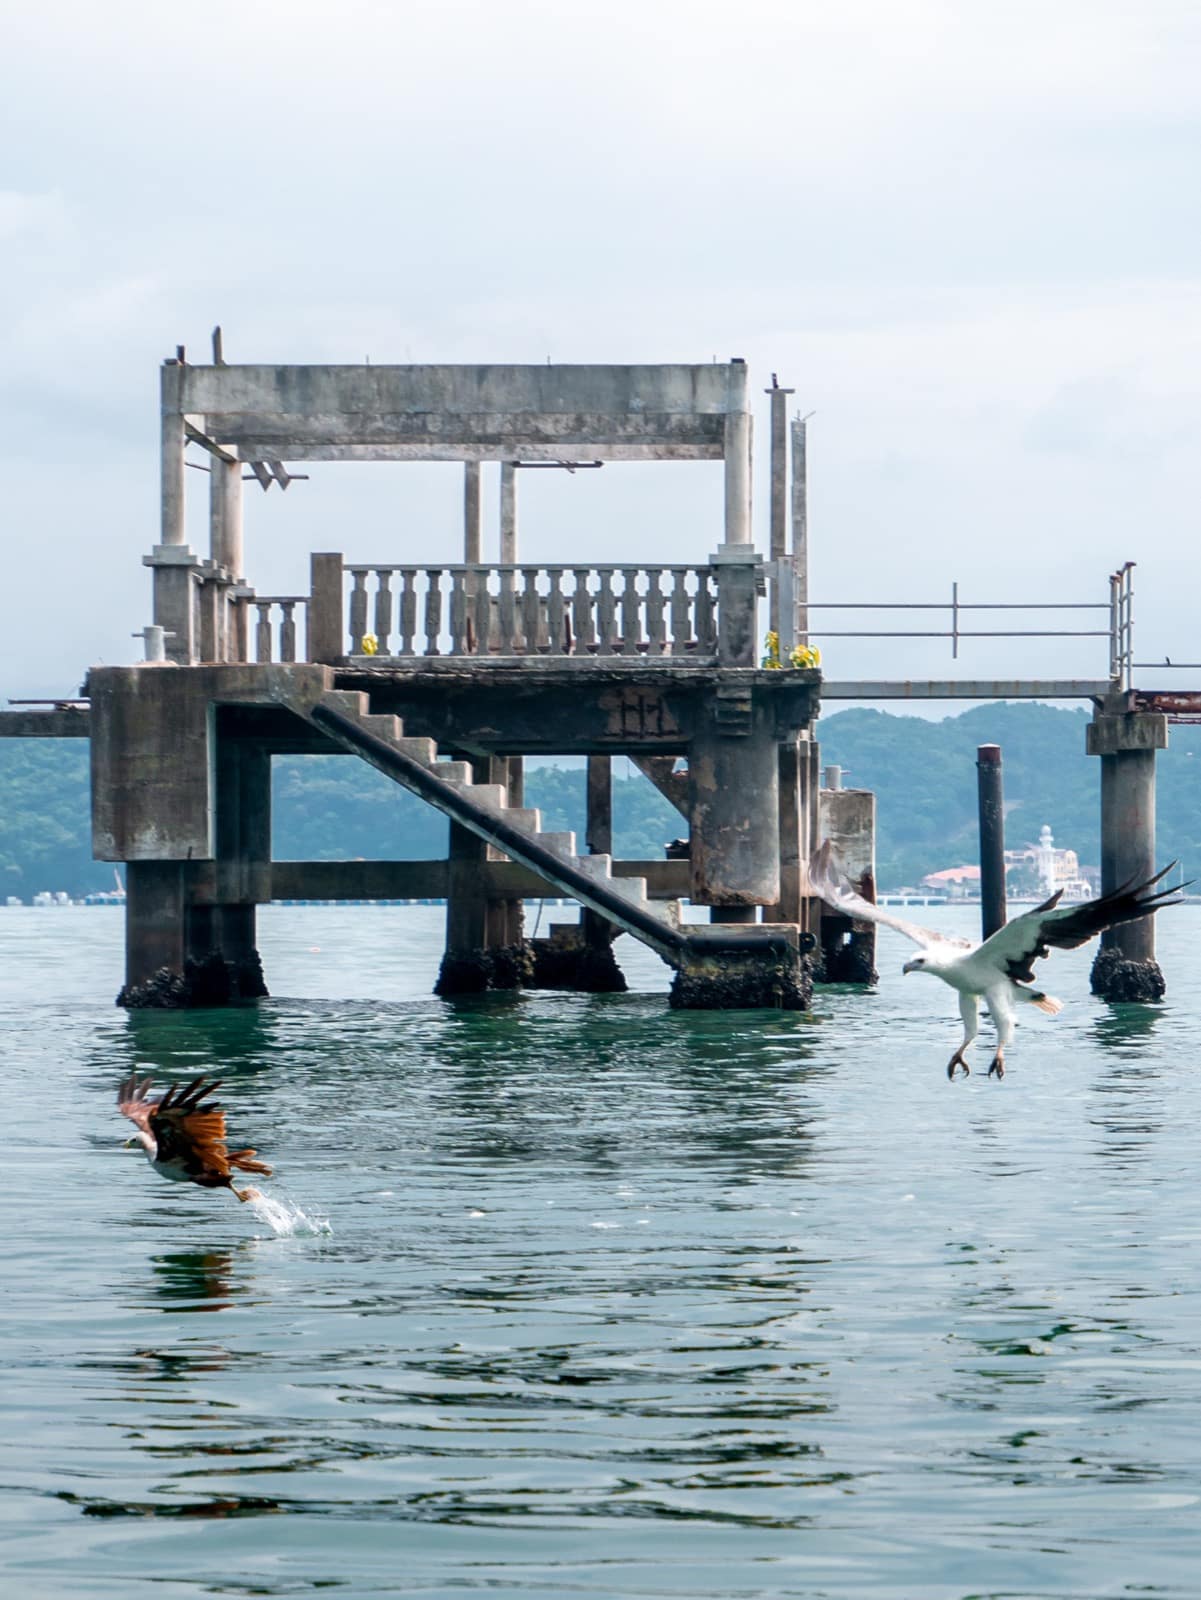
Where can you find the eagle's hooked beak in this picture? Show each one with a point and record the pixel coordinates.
(129, 1144)
(910, 966)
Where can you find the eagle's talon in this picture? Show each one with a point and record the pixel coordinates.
(958, 1061)
(998, 1068)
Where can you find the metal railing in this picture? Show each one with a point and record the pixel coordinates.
(510, 610)
(1117, 610)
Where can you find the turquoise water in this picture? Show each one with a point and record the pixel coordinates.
(613, 1301)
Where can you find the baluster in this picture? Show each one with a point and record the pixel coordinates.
(239, 628)
(681, 612)
(358, 609)
(433, 610)
(581, 612)
(262, 632)
(507, 612)
(531, 610)
(606, 613)
(458, 612)
(408, 610)
(656, 604)
(631, 612)
(556, 616)
(383, 609)
(483, 612)
(287, 631)
(702, 610)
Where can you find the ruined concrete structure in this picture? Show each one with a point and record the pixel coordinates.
(445, 676)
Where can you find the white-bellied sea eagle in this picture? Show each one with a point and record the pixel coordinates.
(998, 970)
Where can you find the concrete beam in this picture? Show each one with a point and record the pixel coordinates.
(67, 723)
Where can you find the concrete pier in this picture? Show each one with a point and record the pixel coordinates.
(1126, 742)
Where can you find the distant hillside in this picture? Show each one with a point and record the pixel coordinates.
(924, 773)
(925, 776)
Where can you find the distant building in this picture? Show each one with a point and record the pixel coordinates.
(1035, 870)
(1043, 870)
(957, 883)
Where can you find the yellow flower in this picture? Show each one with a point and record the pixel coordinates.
(806, 655)
(369, 644)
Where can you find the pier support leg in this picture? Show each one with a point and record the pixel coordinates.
(848, 948)
(1126, 742)
(734, 815)
(485, 946)
(580, 956)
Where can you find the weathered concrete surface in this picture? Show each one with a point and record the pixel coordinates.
(68, 722)
(733, 776)
(848, 948)
(1126, 742)
(731, 982)
(462, 413)
(573, 957)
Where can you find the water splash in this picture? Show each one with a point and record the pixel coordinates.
(285, 1217)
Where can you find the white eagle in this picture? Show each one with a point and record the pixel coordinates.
(998, 970)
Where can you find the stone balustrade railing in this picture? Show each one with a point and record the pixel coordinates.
(590, 609)
(273, 618)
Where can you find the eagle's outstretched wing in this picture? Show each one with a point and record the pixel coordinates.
(182, 1126)
(826, 883)
(1028, 938)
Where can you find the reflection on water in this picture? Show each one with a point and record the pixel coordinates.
(616, 1302)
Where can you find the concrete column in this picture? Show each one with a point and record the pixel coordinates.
(485, 947)
(596, 930)
(174, 473)
(847, 817)
(508, 513)
(175, 577)
(1126, 742)
(327, 626)
(225, 516)
(738, 570)
(791, 906)
(779, 496)
(155, 936)
(734, 804)
(800, 530)
(473, 514)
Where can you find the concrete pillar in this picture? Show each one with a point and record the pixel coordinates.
(596, 930)
(485, 946)
(1126, 742)
(847, 817)
(734, 806)
(779, 495)
(225, 516)
(508, 513)
(155, 934)
(173, 471)
(991, 810)
(791, 906)
(473, 514)
(738, 458)
(800, 530)
(738, 570)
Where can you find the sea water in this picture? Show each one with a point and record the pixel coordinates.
(571, 1296)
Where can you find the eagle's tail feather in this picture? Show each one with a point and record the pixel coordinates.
(245, 1162)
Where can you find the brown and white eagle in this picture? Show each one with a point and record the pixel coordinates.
(184, 1139)
(998, 970)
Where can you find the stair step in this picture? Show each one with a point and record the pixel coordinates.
(492, 796)
(350, 702)
(524, 817)
(456, 772)
(632, 889)
(597, 866)
(382, 726)
(423, 750)
(560, 844)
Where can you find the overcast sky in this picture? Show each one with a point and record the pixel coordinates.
(966, 234)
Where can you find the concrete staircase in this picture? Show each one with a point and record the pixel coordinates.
(344, 716)
(695, 950)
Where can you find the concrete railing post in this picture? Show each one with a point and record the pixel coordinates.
(738, 571)
(326, 625)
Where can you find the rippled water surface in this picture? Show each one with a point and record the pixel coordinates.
(613, 1301)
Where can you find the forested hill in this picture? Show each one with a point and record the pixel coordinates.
(923, 772)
